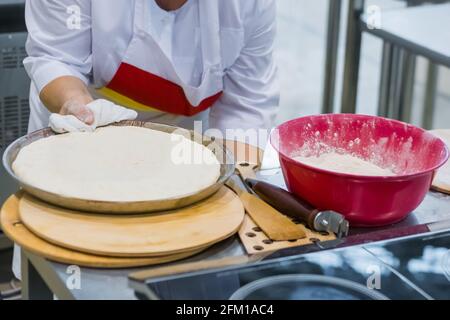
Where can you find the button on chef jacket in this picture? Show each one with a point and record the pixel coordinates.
(94, 51)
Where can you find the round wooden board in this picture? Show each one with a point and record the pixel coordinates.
(441, 182)
(17, 232)
(156, 234)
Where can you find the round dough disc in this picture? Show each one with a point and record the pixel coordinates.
(119, 164)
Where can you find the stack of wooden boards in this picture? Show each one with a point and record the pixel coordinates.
(118, 241)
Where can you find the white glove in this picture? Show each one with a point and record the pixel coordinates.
(104, 111)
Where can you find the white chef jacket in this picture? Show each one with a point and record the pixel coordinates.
(94, 52)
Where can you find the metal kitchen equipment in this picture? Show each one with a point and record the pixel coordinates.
(306, 287)
(14, 87)
(223, 155)
(432, 215)
(415, 268)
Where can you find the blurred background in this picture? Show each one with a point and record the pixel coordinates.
(385, 57)
(302, 49)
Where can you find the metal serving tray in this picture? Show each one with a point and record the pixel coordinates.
(223, 155)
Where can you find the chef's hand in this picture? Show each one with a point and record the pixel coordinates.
(68, 95)
(78, 109)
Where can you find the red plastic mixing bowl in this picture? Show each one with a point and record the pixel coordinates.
(412, 153)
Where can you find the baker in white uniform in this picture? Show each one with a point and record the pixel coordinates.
(173, 61)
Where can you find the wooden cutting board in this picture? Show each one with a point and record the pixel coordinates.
(16, 231)
(442, 181)
(157, 234)
(256, 241)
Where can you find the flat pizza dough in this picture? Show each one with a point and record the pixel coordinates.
(118, 164)
(442, 180)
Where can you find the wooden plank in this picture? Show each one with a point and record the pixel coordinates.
(277, 226)
(256, 242)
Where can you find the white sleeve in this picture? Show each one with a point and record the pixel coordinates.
(59, 40)
(251, 93)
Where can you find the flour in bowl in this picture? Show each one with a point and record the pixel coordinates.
(345, 163)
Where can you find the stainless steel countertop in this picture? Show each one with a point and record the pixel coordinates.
(113, 284)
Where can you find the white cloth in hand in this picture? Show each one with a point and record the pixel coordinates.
(105, 113)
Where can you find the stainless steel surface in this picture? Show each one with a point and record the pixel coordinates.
(385, 80)
(14, 89)
(402, 83)
(5, 243)
(330, 221)
(304, 280)
(439, 226)
(429, 103)
(14, 109)
(223, 155)
(113, 284)
(12, 17)
(11, 2)
(334, 21)
(407, 86)
(396, 83)
(352, 56)
(33, 285)
(396, 278)
(393, 84)
(424, 37)
(106, 284)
